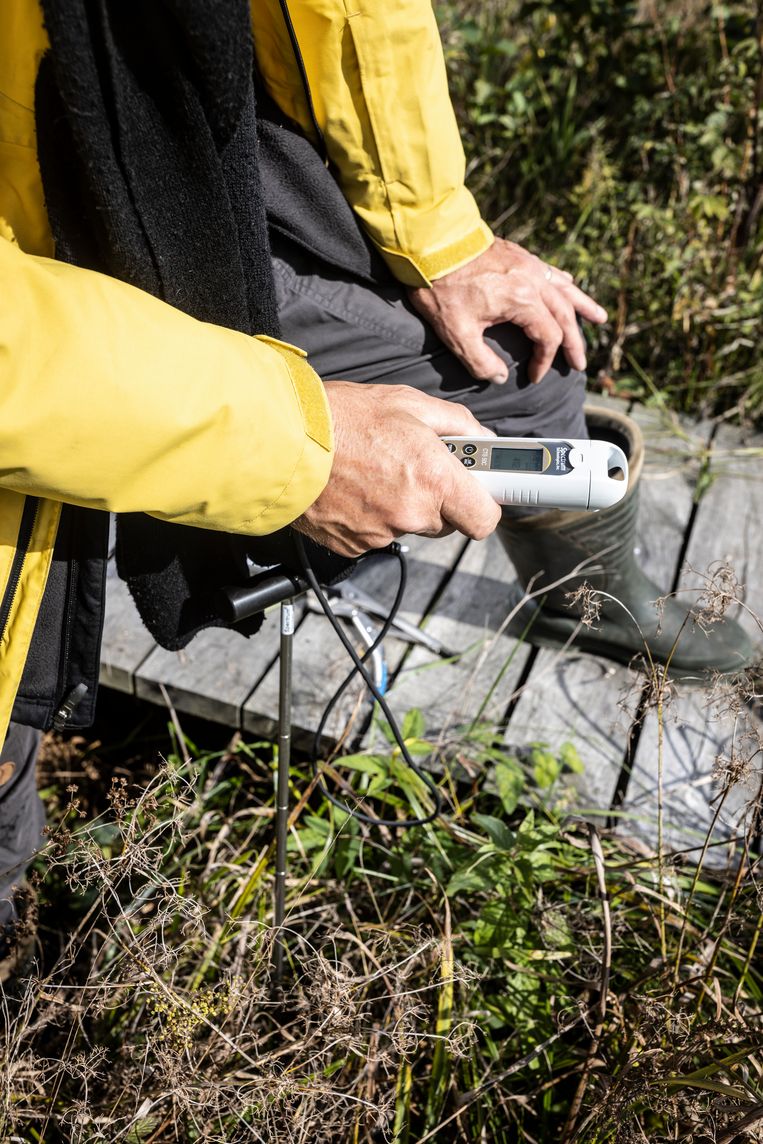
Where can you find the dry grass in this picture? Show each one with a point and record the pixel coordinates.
(462, 982)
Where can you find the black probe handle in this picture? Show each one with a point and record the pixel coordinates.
(268, 588)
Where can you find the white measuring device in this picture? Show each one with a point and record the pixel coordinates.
(545, 472)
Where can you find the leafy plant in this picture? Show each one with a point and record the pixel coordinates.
(624, 142)
(501, 974)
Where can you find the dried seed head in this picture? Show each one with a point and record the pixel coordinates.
(587, 602)
(659, 688)
(733, 767)
(721, 590)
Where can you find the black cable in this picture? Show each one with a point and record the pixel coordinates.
(359, 668)
(396, 551)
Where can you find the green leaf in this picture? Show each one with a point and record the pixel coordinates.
(105, 835)
(142, 1129)
(506, 47)
(482, 90)
(496, 830)
(376, 765)
(346, 854)
(479, 875)
(569, 758)
(413, 724)
(527, 825)
(418, 746)
(510, 782)
(386, 731)
(546, 768)
(499, 930)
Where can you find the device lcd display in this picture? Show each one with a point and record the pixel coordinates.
(517, 460)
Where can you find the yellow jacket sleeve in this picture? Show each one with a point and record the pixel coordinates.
(110, 398)
(377, 81)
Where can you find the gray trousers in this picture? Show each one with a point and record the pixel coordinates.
(22, 816)
(353, 332)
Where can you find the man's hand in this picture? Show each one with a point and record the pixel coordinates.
(392, 474)
(508, 284)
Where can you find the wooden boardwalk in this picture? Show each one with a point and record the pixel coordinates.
(457, 592)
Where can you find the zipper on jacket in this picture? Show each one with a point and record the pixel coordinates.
(69, 706)
(303, 76)
(26, 527)
(70, 697)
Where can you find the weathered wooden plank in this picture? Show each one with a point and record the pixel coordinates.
(469, 619)
(697, 730)
(675, 447)
(214, 675)
(730, 521)
(589, 702)
(573, 697)
(126, 642)
(675, 762)
(607, 401)
(320, 661)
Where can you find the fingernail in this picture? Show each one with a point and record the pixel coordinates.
(602, 314)
(499, 379)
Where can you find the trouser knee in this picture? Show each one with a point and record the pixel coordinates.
(22, 816)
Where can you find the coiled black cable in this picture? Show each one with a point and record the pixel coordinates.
(360, 669)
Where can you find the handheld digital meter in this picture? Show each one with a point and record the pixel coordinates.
(545, 472)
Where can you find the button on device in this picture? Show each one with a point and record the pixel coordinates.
(468, 461)
(451, 446)
(469, 449)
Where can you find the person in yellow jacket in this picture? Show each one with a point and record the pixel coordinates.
(152, 347)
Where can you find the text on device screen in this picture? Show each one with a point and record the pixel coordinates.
(517, 460)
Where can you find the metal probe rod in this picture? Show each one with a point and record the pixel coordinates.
(282, 784)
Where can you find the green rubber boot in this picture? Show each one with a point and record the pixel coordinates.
(550, 546)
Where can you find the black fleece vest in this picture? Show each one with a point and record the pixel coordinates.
(153, 166)
(148, 151)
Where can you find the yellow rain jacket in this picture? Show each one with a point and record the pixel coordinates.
(111, 399)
